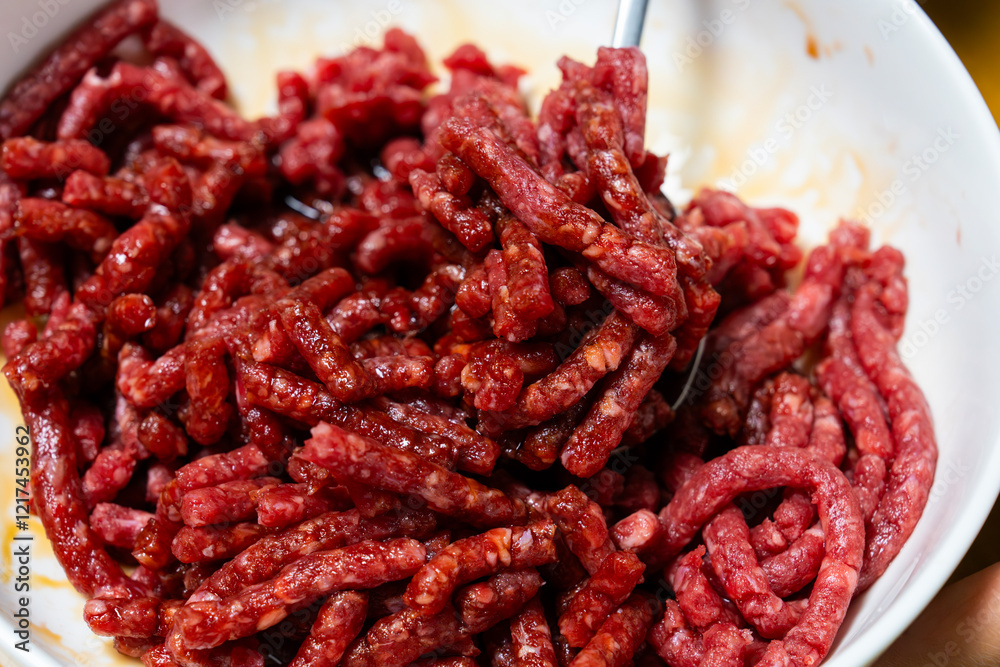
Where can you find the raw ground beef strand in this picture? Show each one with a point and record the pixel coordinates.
(385, 379)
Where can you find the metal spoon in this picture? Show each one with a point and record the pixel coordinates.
(628, 25)
(628, 32)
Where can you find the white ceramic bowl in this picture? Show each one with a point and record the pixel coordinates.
(883, 124)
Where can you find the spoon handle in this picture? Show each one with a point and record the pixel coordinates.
(628, 31)
(628, 26)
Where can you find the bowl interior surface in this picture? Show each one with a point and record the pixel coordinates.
(850, 109)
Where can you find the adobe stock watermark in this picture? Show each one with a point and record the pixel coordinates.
(562, 13)
(969, 633)
(118, 113)
(958, 298)
(902, 13)
(380, 20)
(948, 476)
(784, 130)
(224, 8)
(712, 29)
(364, 35)
(913, 169)
(32, 23)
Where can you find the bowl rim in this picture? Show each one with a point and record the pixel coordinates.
(948, 554)
(942, 561)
